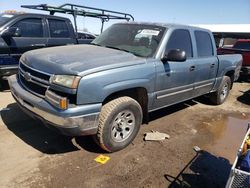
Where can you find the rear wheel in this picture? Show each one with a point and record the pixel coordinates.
(222, 93)
(119, 123)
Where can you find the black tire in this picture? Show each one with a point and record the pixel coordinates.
(222, 93)
(119, 123)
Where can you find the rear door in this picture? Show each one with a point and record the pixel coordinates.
(60, 32)
(175, 80)
(206, 63)
(31, 30)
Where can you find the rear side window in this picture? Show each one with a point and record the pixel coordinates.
(58, 29)
(242, 45)
(180, 39)
(204, 44)
(30, 27)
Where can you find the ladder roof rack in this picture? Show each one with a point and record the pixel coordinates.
(79, 10)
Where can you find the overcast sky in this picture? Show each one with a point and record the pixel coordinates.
(168, 11)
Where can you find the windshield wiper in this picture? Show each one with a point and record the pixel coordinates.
(113, 47)
(116, 48)
(136, 54)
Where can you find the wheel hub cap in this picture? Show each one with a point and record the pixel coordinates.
(224, 92)
(123, 126)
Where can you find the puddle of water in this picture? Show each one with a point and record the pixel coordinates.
(225, 135)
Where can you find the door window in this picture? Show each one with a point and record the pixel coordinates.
(30, 27)
(204, 44)
(58, 29)
(180, 39)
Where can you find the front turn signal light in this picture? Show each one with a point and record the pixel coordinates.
(63, 103)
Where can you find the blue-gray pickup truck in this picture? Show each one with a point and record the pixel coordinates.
(108, 87)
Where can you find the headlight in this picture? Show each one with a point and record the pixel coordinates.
(66, 80)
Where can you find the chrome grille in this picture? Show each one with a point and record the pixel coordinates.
(35, 81)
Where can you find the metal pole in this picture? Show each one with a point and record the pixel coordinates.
(75, 21)
(102, 24)
(75, 15)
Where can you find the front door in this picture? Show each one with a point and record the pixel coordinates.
(4, 53)
(30, 36)
(175, 79)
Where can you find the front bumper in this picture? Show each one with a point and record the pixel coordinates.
(76, 121)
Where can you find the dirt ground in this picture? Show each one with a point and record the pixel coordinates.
(33, 156)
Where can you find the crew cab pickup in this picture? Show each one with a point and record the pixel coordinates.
(242, 46)
(23, 32)
(108, 87)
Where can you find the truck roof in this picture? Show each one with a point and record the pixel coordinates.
(17, 14)
(167, 25)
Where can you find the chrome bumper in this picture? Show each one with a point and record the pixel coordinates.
(82, 119)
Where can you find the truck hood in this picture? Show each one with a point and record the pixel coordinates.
(78, 59)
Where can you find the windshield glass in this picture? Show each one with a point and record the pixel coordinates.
(5, 18)
(141, 40)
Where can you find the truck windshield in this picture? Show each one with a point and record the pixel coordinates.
(5, 18)
(138, 39)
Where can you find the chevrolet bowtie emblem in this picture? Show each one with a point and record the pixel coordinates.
(27, 76)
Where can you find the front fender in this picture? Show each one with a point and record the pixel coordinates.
(96, 87)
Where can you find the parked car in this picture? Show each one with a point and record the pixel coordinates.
(107, 88)
(242, 46)
(23, 32)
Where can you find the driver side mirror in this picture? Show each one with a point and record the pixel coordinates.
(175, 55)
(11, 32)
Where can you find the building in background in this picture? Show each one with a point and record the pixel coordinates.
(227, 34)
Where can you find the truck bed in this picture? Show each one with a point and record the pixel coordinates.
(233, 60)
(245, 54)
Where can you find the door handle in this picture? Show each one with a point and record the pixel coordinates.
(192, 68)
(212, 65)
(38, 45)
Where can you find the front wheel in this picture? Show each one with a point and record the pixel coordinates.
(119, 123)
(222, 93)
